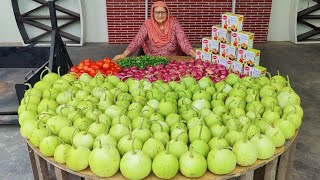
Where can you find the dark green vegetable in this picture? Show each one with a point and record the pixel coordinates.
(142, 61)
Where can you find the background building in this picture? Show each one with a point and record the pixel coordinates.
(117, 21)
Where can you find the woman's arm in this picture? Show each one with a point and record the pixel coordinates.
(135, 44)
(183, 39)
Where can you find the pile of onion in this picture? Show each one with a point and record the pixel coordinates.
(174, 70)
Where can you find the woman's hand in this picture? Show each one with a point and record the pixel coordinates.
(192, 53)
(121, 56)
(118, 57)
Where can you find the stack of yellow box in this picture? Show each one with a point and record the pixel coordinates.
(232, 47)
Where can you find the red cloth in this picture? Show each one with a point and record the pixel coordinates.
(157, 36)
(172, 42)
(177, 46)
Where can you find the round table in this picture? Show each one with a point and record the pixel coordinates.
(277, 166)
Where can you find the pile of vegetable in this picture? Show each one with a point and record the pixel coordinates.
(138, 127)
(141, 62)
(175, 70)
(105, 66)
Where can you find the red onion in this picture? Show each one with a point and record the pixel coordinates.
(224, 72)
(176, 69)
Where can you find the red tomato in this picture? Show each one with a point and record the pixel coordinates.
(80, 67)
(81, 72)
(87, 60)
(107, 60)
(108, 72)
(106, 66)
(102, 71)
(118, 68)
(92, 73)
(87, 63)
(90, 69)
(74, 69)
(111, 67)
(95, 66)
(87, 68)
(81, 63)
(100, 63)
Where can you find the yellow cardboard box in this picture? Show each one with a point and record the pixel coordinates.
(232, 22)
(250, 57)
(228, 51)
(242, 39)
(256, 71)
(209, 44)
(204, 56)
(220, 34)
(237, 67)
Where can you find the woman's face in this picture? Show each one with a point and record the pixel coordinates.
(160, 15)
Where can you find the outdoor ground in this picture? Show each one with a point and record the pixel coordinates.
(300, 62)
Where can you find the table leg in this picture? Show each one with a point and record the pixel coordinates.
(60, 174)
(291, 159)
(247, 176)
(271, 170)
(286, 160)
(42, 167)
(33, 163)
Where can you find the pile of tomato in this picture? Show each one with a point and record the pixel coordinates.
(104, 66)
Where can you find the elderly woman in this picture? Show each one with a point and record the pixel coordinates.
(162, 35)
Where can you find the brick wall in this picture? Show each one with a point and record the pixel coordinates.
(196, 16)
(256, 17)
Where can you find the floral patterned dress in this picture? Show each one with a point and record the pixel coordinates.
(178, 45)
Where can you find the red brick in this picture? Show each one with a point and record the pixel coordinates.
(195, 16)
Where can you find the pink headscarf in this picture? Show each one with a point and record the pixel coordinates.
(158, 37)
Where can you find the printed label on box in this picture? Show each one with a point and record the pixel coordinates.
(222, 61)
(204, 56)
(243, 40)
(223, 50)
(215, 33)
(198, 53)
(247, 70)
(205, 44)
(234, 39)
(232, 22)
(215, 58)
(237, 67)
(256, 71)
(253, 57)
(214, 46)
(229, 65)
(249, 57)
(220, 34)
(209, 44)
(224, 35)
(241, 56)
(231, 52)
(228, 51)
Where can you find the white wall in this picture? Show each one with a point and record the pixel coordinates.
(9, 32)
(95, 22)
(279, 21)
